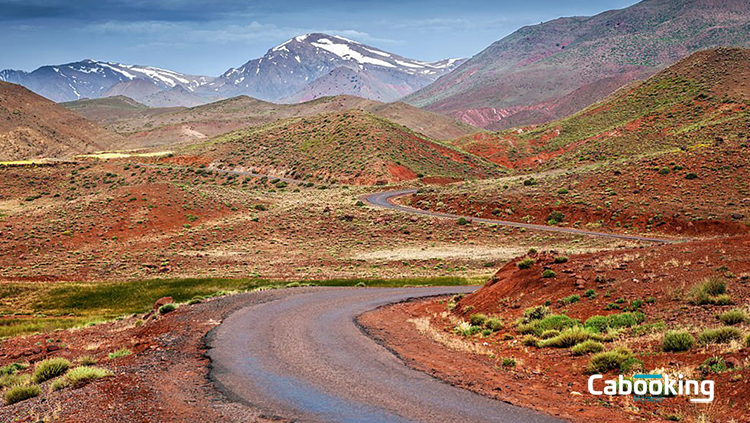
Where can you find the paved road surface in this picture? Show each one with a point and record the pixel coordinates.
(385, 200)
(303, 358)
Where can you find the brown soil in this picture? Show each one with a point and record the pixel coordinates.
(553, 380)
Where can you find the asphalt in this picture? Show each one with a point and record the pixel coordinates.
(303, 358)
(385, 200)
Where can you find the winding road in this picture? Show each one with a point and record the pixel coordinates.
(303, 358)
(385, 200)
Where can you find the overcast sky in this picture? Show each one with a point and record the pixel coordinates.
(208, 37)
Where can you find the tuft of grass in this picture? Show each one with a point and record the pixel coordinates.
(122, 352)
(734, 317)
(86, 360)
(509, 362)
(570, 300)
(674, 341)
(557, 322)
(547, 334)
(49, 369)
(709, 291)
(494, 324)
(714, 365)
(567, 338)
(12, 368)
(608, 360)
(525, 263)
(60, 383)
(614, 321)
(587, 347)
(722, 335)
(20, 393)
(478, 319)
(167, 308)
(530, 341)
(84, 374)
(549, 274)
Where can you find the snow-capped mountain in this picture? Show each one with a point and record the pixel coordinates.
(92, 79)
(288, 69)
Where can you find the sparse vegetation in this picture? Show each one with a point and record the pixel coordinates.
(49, 369)
(20, 393)
(710, 291)
(722, 335)
(603, 362)
(167, 308)
(84, 374)
(587, 347)
(526, 263)
(675, 341)
(122, 352)
(733, 317)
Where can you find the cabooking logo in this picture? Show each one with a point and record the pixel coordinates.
(654, 388)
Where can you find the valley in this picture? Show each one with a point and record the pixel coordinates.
(336, 232)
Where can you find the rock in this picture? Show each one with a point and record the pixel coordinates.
(732, 363)
(52, 347)
(738, 216)
(162, 301)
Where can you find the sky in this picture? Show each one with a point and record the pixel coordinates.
(205, 37)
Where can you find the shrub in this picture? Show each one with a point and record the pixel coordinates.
(571, 299)
(547, 334)
(630, 364)
(562, 191)
(691, 176)
(494, 324)
(530, 341)
(86, 360)
(21, 392)
(625, 320)
(555, 217)
(60, 383)
(587, 347)
(525, 263)
(709, 291)
(13, 380)
(478, 319)
(549, 274)
(509, 362)
(561, 259)
(597, 323)
(665, 171)
(557, 322)
(535, 313)
(713, 365)
(674, 341)
(49, 369)
(462, 221)
(12, 369)
(608, 360)
(733, 317)
(466, 329)
(567, 338)
(122, 352)
(84, 374)
(723, 335)
(590, 293)
(167, 308)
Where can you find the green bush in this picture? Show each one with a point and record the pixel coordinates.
(12, 368)
(590, 293)
(723, 335)
(60, 383)
(462, 221)
(571, 299)
(167, 308)
(587, 347)
(509, 362)
(608, 360)
(567, 338)
(84, 374)
(530, 341)
(561, 259)
(477, 319)
(21, 392)
(494, 324)
(714, 365)
(548, 273)
(557, 322)
(733, 317)
(614, 321)
(525, 263)
(674, 341)
(709, 291)
(555, 217)
(49, 369)
(122, 352)
(86, 360)
(551, 333)
(535, 313)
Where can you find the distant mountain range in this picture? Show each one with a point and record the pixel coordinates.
(303, 68)
(554, 69)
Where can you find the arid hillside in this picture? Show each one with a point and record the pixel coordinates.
(32, 127)
(144, 127)
(351, 146)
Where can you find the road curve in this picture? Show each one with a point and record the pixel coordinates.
(303, 358)
(385, 200)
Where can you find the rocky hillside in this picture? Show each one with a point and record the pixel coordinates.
(548, 71)
(700, 101)
(32, 126)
